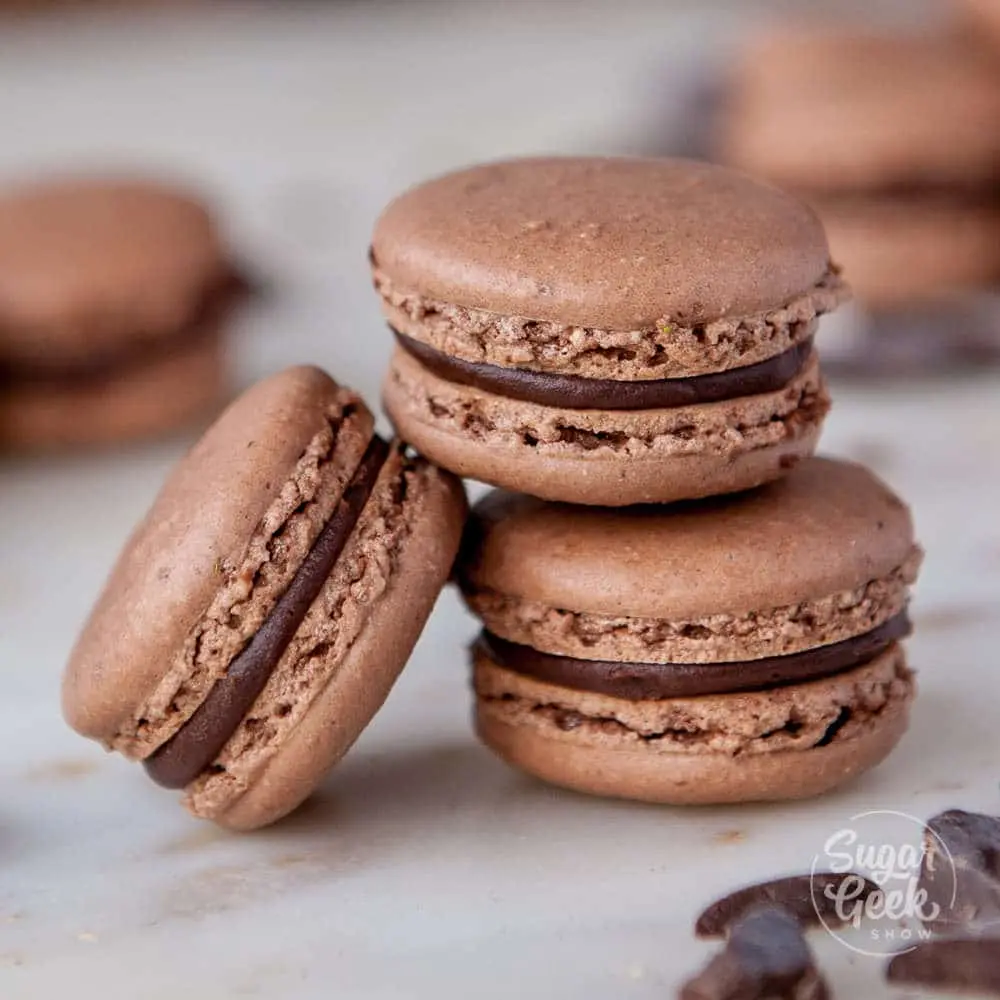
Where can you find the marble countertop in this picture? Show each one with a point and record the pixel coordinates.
(425, 868)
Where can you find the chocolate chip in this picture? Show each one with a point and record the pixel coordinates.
(961, 965)
(810, 899)
(765, 958)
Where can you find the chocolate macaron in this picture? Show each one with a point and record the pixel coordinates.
(605, 331)
(114, 295)
(261, 611)
(864, 127)
(816, 109)
(734, 649)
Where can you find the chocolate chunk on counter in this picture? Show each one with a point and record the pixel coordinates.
(810, 899)
(959, 965)
(961, 871)
(765, 958)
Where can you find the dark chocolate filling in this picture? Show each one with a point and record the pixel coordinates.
(218, 300)
(572, 392)
(199, 741)
(649, 681)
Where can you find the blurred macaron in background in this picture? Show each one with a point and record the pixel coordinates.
(115, 294)
(981, 19)
(893, 136)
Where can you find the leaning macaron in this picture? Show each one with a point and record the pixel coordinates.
(737, 649)
(605, 331)
(114, 297)
(261, 611)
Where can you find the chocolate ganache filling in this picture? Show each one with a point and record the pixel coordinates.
(650, 681)
(199, 741)
(573, 392)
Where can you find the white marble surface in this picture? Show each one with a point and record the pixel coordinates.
(424, 868)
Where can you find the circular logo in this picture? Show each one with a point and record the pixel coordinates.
(907, 880)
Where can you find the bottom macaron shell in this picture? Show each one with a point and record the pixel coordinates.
(324, 693)
(606, 458)
(703, 780)
(786, 743)
(143, 400)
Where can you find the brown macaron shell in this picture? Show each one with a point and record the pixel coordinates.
(219, 546)
(606, 457)
(228, 534)
(94, 266)
(613, 244)
(627, 271)
(114, 297)
(819, 109)
(823, 557)
(549, 733)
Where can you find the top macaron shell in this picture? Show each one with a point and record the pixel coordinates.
(88, 267)
(820, 556)
(828, 110)
(614, 243)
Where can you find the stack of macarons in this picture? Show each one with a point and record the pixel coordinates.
(894, 139)
(114, 299)
(678, 603)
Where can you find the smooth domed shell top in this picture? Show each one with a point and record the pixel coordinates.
(829, 526)
(618, 244)
(172, 566)
(86, 264)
